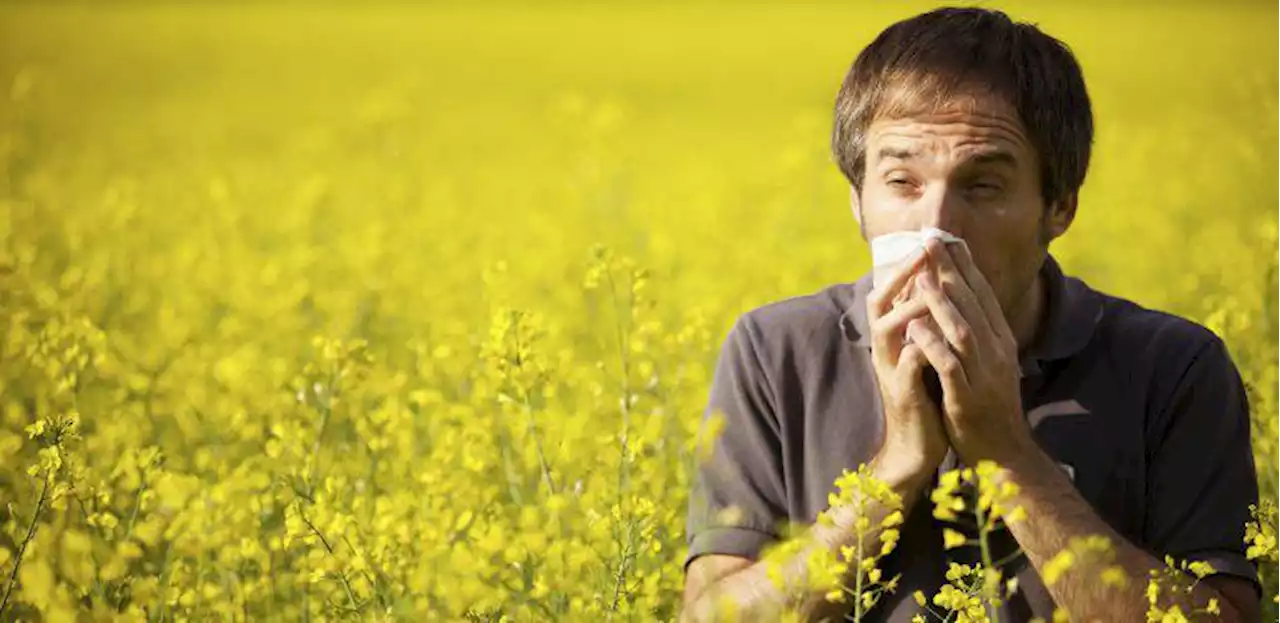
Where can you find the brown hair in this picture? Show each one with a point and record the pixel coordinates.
(922, 63)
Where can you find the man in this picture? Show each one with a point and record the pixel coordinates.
(1111, 419)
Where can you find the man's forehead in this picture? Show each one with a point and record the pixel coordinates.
(969, 116)
(970, 132)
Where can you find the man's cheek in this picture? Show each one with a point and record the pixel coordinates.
(990, 265)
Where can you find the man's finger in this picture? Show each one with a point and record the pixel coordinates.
(954, 325)
(955, 285)
(950, 370)
(981, 288)
(912, 361)
(881, 299)
(888, 331)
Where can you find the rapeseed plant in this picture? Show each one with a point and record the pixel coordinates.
(333, 354)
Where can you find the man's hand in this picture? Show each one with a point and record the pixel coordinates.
(914, 438)
(974, 351)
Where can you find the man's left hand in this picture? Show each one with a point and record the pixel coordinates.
(974, 351)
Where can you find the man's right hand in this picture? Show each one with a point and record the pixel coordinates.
(915, 440)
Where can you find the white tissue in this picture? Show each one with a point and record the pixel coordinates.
(891, 251)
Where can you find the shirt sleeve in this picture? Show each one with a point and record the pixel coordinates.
(738, 496)
(1201, 478)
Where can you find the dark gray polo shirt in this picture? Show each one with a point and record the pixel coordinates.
(1146, 408)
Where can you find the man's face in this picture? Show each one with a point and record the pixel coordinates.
(968, 169)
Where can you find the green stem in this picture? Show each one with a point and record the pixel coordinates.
(325, 414)
(624, 338)
(987, 562)
(508, 468)
(346, 584)
(22, 549)
(537, 444)
(374, 578)
(1000, 564)
(530, 426)
(128, 531)
(161, 607)
(857, 564)
(620, 576)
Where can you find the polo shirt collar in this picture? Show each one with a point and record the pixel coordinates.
(1073, 311)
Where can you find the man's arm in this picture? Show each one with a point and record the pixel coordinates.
(1200, 482)
(744, 587)
(1060, 514)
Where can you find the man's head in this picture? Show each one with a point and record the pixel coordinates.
(967, 121)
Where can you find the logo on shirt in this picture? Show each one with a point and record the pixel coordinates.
(1071, 471)
(1059, 408)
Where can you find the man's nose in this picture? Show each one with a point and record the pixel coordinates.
(944, 208)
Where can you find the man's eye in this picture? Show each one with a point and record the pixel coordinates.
(900, 182)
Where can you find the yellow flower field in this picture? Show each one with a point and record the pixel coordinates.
(409, 313)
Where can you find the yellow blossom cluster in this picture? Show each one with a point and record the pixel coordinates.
(1166, 583)
(962, 598)
(1260, 534)
(979, 499)
(873, 511)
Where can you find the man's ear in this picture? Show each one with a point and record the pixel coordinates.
(1060, 216)
(855, 203)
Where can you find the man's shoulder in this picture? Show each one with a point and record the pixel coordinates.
(1161, 338)
(801, 320)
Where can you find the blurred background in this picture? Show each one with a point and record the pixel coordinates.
(401, 310)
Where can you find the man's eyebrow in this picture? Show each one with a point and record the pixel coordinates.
(997, 156)
(987, 157)
(897, 153)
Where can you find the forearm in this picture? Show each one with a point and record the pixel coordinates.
(753, 594)
(1057, 515)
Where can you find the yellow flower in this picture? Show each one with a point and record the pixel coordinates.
(35, 429)
(1057, 566)
(952, 539)
(1200, 569)
(1114, 576)
(1017, 514)
(957, 572)
(892, 584)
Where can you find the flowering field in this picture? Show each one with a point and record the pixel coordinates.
(410, 313)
